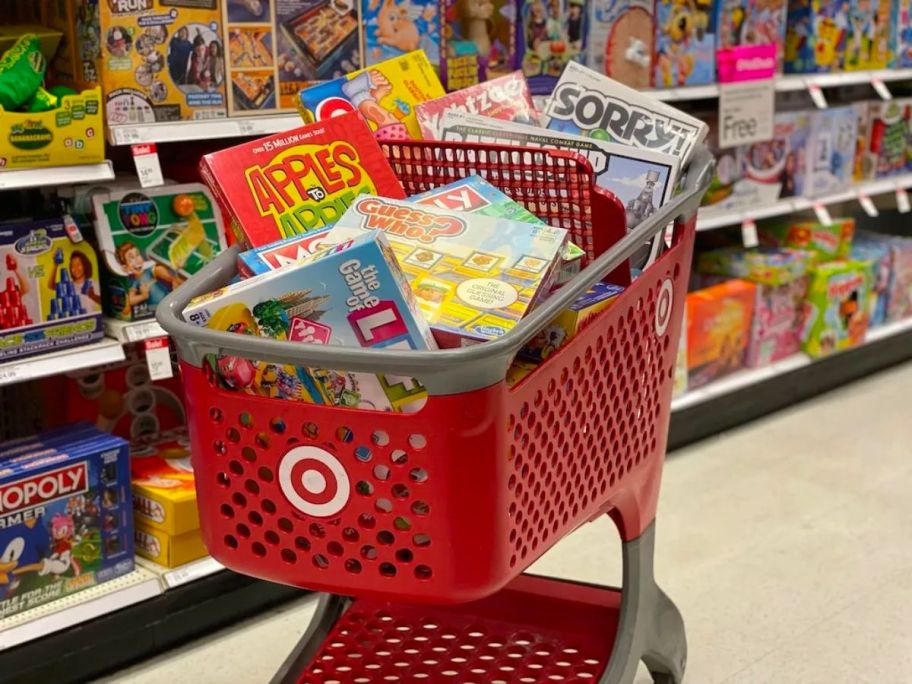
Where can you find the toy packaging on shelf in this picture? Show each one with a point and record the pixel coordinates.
(875, 251)
(831, 150)
(815, 37)
(587, 103)
(354, 296)
(75, 62)
(119, 398)
(752, 22)
(164, 495)
(162, 60)
(868, 35)
(549, 35)
(718, 329)
(569, 322)
(728, 171)
(901, 39)
(477, 41)
(385, 94)
(152, 240)
(685, 44)
(883, 140)
(274, 49)
(70, 133)
(781, 280)
(621, 39)
(504, 98)
(49, 292)
(475, 195)
(900, 298)
(67, 522)
(835, 315)
(392, 28)
(826, 241)
(776, 169)
(298, 181)
(474, 276)
(168, 550)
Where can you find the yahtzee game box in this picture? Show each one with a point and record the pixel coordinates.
(300, 180)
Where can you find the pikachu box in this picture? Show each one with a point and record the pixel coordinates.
(162, 60)
(164, 495)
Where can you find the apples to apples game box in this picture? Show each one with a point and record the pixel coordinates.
(300, 180)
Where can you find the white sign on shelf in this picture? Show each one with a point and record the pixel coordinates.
(881, 88)
(16, 373)
(747, 94)
(148, 167)
(816, 93)
(158, 358)
(142, 331)
(749, 233)
(868, 205)
(902, 201)
(822, 213)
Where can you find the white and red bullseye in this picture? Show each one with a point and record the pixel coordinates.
(664, 303)
(314, 481)
(333, 106)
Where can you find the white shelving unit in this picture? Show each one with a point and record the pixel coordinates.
(751, 376)
(205, 129)
(710, 218)
(49, 176)
(98, 353)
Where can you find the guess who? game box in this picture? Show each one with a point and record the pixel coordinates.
(474, 276)
(300, 180)
(66, 522)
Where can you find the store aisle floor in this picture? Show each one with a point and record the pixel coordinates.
(786, 544)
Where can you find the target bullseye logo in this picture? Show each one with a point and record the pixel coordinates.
(664, 303)
(314, 481)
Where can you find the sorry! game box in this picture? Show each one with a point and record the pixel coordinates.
(300, 180)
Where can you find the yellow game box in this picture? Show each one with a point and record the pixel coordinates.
(168, 550)
(385, 94)
(162, 60)
(70, 134)
(164, 495)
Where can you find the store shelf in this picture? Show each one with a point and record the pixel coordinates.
(711, 218)
(790, 83)
(139, 585)
(746, 395)
(183, 574)
(125, 332)
(18, 179)
(207, 129)
(104, 351)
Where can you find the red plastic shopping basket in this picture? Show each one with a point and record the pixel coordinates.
(449, 504)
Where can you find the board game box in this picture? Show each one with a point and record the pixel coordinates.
(752, 22)
(587, 103)
(868, 35)
(300, 180)
(355, 296)
(815, 36)
(901, 41)
(50, 296)
(831, 149)
(278, 47)
(506, 98)
(776, 169)
(826, 240)
(552, 34)
(164, 494)
(835, 310)
(151, 241)
(162, 60)
(474, 276)
(392, 28)
(883, 140)
(281, 253)
(385, 94)
(621, 40)
(67, 522)
(685, 44)
(477, 41)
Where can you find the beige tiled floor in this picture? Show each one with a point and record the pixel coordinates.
(786, 544)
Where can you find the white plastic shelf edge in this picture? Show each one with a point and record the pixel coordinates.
(49, 176)
(98, 353)
(204, 129)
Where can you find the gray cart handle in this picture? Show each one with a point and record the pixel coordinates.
(445, 371)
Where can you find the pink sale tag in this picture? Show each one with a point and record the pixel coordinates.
(746, 63)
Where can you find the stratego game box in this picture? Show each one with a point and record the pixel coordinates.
(66, 519)
(300, 180)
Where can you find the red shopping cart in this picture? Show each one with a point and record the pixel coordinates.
(429, 519)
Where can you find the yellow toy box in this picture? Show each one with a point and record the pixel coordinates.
(385, 94)
(164, 496)
(76, 61)
(162, 60)
(474, 276)
(71, 134)
(168, 550)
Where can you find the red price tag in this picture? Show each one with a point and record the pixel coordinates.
(148, 167)
(158, 358)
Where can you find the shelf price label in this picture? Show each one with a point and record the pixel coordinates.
(902, 201)
(158, 358)
(822, 213)
(11, 374)
(868, 205)
(749, 233)
(816, 93)
(881, 89)
(148, 167)
(747, 94)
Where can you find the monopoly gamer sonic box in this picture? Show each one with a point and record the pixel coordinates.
(49, 293)
(66, 518)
